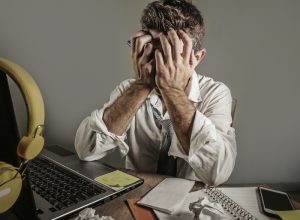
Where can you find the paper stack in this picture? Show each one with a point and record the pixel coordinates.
(168, 196)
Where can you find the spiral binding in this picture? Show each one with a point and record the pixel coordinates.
(228, 204)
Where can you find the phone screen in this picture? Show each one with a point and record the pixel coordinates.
(276, 201)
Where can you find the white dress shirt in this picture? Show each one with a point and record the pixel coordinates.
(212, 153)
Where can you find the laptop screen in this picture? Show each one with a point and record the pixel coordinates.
(24, 208)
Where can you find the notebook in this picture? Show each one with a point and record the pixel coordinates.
(237, 201)
(171, 198)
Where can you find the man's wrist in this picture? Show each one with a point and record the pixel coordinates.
(142, 86)
(172, 91)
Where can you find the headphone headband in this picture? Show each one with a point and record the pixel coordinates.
(35, 109)
(31, 144)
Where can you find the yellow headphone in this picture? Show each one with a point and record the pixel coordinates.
(31, 144)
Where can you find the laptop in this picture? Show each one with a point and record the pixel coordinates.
(57, 184)
(62, 184)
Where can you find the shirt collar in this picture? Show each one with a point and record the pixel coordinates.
(154, 99)
(194, 93)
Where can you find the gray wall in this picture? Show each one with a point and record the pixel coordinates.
(76, 51)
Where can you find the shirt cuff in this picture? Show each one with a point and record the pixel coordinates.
(203, 131)
(104, 136)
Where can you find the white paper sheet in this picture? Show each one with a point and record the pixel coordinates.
(168, 195)
(246, 197)
(183, 213)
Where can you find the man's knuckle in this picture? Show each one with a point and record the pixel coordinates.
(172, 68)
(168, 46)
(140, 62)
(161, 66)
(177, 42)
(186, 62)
(173, 37)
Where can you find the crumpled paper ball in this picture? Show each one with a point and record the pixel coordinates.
(89, 214)
(206, 210)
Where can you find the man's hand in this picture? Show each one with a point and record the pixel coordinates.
(118, 116)
(174, 68)
(175, 64)
(143, 59)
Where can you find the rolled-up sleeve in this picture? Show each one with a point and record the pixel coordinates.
(93, 141)
(213, 149)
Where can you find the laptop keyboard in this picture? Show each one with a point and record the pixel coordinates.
(59, 187)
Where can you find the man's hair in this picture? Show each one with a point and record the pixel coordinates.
(177, 14)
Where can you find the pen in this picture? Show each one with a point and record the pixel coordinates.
(129, 44)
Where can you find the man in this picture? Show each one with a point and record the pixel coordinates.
(168, 120)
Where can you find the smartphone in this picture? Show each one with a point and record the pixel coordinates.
(273, 200)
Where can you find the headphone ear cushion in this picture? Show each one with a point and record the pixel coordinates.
(10, 186)
(29, 147)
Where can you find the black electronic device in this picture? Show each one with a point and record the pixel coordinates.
(24, 208)
(274, 200)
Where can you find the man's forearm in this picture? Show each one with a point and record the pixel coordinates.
(120, 113)
(182, 113)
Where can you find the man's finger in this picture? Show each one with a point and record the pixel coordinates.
(167, 50)
(187, 45)
(136, 35)
(140, 43)
(134, 38)
(176, 45)
(147, 52)
(139, 33)
(159, 60)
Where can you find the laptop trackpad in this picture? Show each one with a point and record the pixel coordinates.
(90, 169)
(60, 151)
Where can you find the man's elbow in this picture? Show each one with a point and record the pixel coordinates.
(223, 171)
(224, 166)
(83, 146)
(217, 172)
(82, 153)
(221, 178)
(216, 179)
